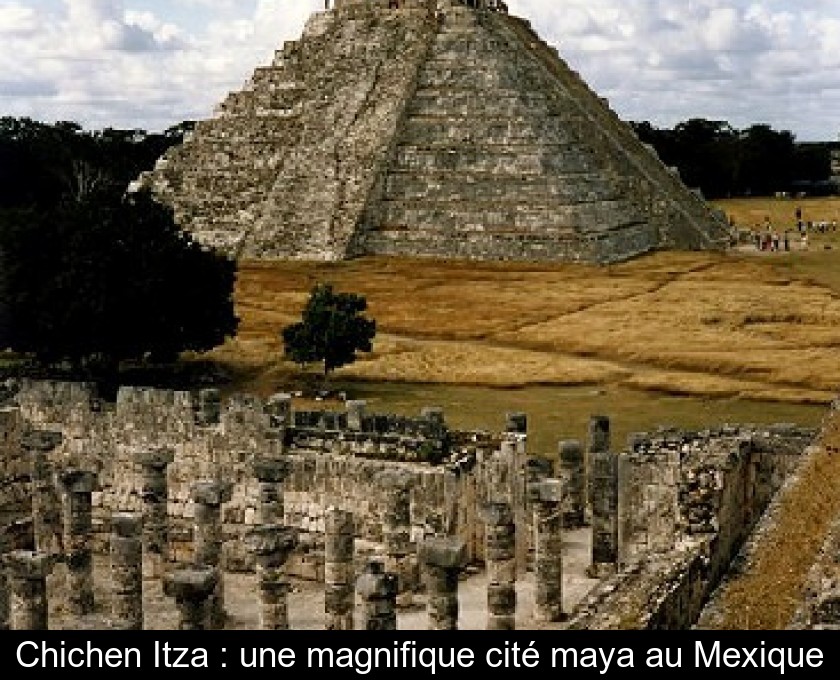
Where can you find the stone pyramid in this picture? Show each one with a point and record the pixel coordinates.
(436, 128)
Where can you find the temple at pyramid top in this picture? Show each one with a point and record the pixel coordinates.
(433, 128)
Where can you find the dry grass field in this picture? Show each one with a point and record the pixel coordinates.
(674, 338)
(750, 212)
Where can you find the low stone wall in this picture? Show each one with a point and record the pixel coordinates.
(338, 459)
(687, 502)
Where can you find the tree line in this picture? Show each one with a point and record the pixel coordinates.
(725, 162)
(43, 164)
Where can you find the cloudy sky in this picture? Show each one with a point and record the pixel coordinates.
(153, 63)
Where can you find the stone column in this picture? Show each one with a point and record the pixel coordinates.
(500, 558)
(434, 415)
(127, 571)
(355, 415)
(155, 492)
(271, 473)
(46, 507)
(516, 423)
(192, 589)
(279, 408)
(548, 550)
(208, 498)
(5, 604)
(443, 559)
(78, 486)
(396, 530)
(209, 407)
(272, 545)
(597, 441)
(604, 514)
(28, 573)
(378, 592)
(516, 427)
(339, 569)
(573, 474)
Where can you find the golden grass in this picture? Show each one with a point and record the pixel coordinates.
(750, 328)
(721, 323)
(751, 212)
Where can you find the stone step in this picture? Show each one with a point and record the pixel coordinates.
(472, 215)
(461, 130)
(502, 161)
(473, 105)
(461, 76)
(444, 186)
(619, 140)
(510, 245)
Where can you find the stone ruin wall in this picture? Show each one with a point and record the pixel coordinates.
(684, 518)
(684, 502)
(332, 464)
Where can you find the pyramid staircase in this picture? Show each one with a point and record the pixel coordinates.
(410, 134)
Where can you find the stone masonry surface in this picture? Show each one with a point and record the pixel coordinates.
(435, 129)
(352, 500)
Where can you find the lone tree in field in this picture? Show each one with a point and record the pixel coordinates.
(332, 329)
(109, 279)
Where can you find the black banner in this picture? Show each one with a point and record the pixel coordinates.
(428, 654)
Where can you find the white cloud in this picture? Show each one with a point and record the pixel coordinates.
(666, 61)
(17, 20)
(151, 63)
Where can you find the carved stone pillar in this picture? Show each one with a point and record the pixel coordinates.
(500, 558)
(208, 498)
(604, 513)
(598, 441)
(339, 569)
(573, 473)
(355, 415)
(442, 559)
(46, 505)
(192, 590)
(77, 487)
(270, 474)
(127, 571)
(378, 592)
(400, 559)
(155, 493)
(272, 545)
(548, 550)
(28, 573)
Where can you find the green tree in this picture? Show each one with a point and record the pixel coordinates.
(767, 161)
(708, 152)
(42, 164)
(108, 279)
(332, 330)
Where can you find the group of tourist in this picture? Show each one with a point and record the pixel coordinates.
(768, 239)
(772, 241)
